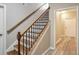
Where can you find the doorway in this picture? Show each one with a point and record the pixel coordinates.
(2, 30)
(66, 31)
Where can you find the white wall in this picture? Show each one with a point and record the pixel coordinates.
(54, 7)
(15, 13)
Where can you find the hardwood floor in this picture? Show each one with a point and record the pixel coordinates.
(66, 46)
(71, 47)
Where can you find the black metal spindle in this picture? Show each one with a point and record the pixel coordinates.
(29, 39)
(23, 44)
(33, 35)
(26, 43)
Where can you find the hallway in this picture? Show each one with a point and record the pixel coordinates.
(66, 46)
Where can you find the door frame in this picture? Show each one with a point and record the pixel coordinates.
(66, 8)
(4, 29)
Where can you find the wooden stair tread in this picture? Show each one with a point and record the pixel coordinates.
(42, 21)
(13, 52)
(21, 48)
(37, 32)
(38, 27)
(39, 23)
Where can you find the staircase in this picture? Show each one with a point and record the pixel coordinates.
(27, 39)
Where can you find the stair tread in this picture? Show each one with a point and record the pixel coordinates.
(37, 31)
(45, 18)
(40, 24)
(13, 52)
(42, 21)
(37, 28)
(21, 48)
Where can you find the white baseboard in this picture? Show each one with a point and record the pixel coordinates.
(52, 48)
(46, 51)
(11, 46)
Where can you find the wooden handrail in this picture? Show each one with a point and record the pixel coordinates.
(21, 36)
(35, 21)
(14, 27)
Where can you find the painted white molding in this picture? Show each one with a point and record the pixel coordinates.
(46, 51)
(4, 29)
(77, 7)
(50, 48)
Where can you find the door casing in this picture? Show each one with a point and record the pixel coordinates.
(60, 9)
(4, 29)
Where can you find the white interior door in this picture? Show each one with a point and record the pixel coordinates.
(1, 30)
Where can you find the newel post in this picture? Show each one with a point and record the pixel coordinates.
(18, 38)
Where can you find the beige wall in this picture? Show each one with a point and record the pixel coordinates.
(59, 25)
(66, 22)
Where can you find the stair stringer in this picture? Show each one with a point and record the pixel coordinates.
(34, 48)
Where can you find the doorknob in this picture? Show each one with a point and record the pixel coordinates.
(0, 34)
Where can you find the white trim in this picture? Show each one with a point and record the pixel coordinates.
(52, 22)
(4, 29)
(77, 28)
(54, 29)
(39, 40)
(46, 51)
(66, 8)
(50, 48)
